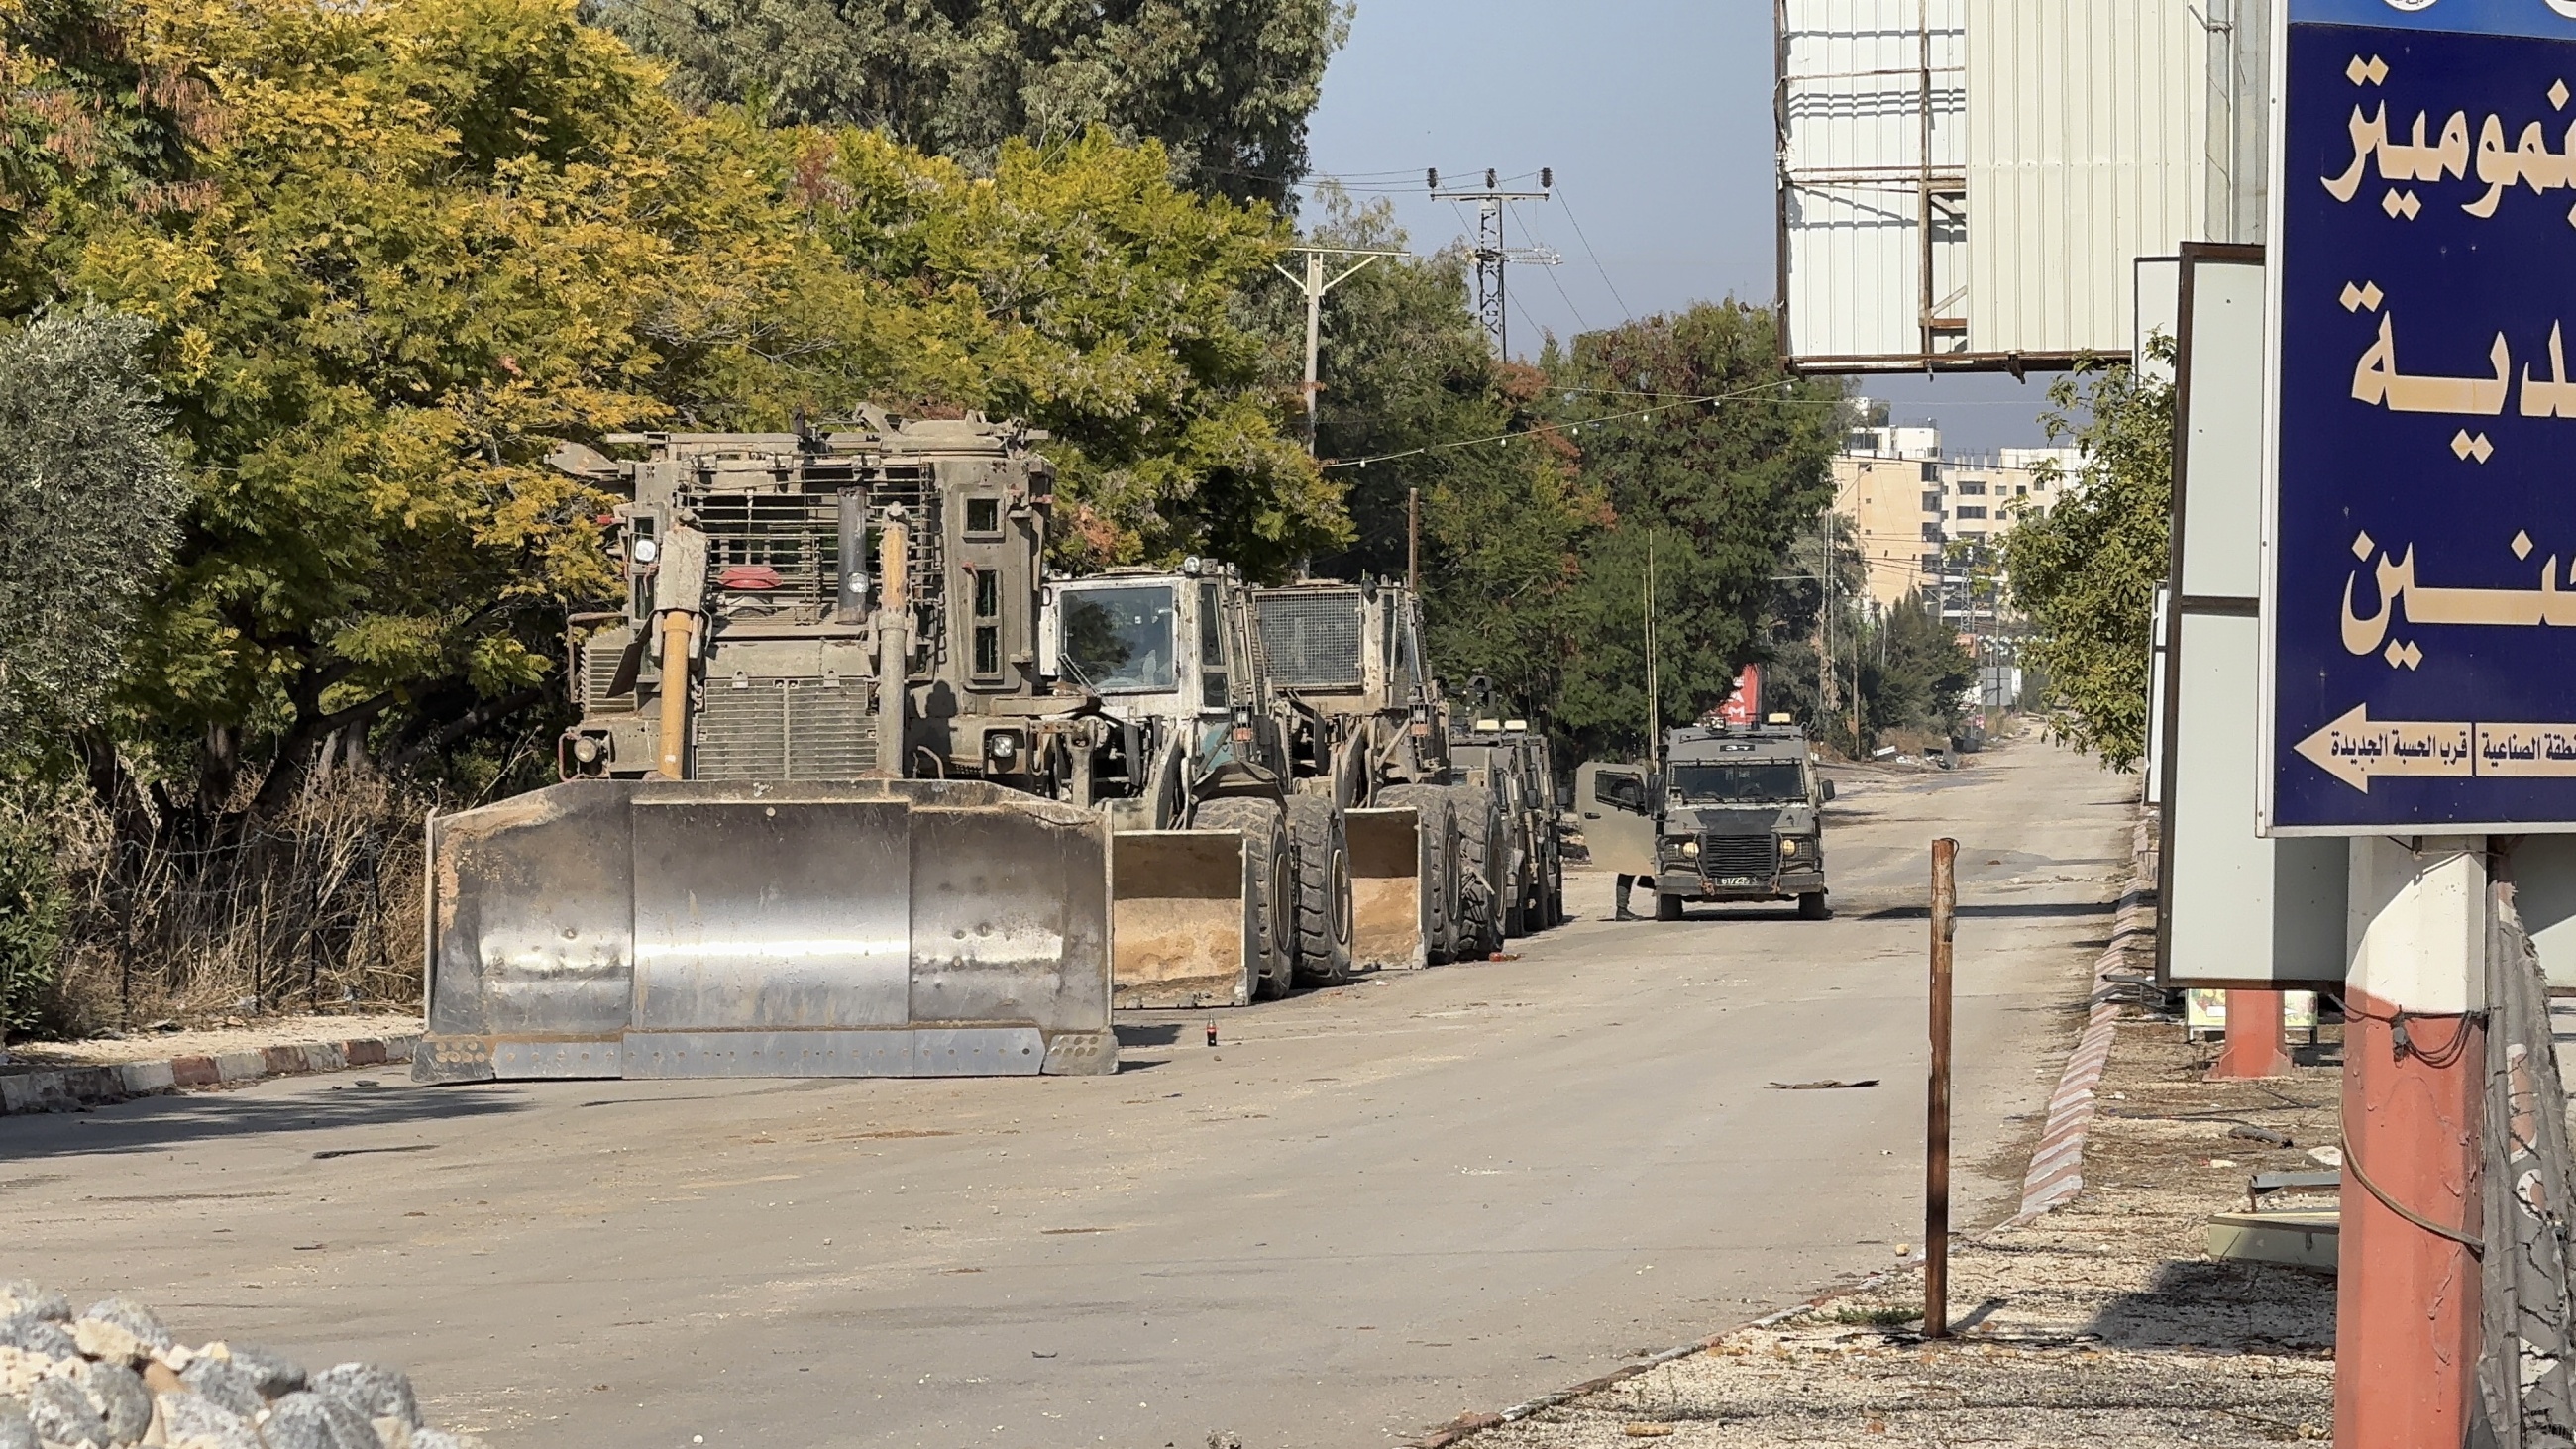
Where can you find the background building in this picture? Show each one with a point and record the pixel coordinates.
(1908, 503)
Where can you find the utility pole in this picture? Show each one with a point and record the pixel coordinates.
(1413, 541)
(1654, 701)
(1313, 286)
(1492, 256)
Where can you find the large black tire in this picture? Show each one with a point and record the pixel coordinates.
(1488, 855)
(1668, 908)
(1273, 881)
(1811, 906)
(1322, 842)
(1437, 818)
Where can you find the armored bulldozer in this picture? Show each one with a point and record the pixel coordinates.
(1514, 763)
(820, 814)
(1209, 905)
(1367, 728)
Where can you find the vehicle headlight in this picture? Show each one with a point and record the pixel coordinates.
(1001, 745)
(1789, 847)
(1681, 844)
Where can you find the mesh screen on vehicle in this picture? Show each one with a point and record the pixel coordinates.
(784, 729)
(1311, 637)
(599, 660)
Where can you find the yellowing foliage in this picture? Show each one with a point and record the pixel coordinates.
(393, 251)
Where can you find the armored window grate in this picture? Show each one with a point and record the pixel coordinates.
(1736, 854)
(1311, 637)
(785, 729)
(599, 660)
(796, 534)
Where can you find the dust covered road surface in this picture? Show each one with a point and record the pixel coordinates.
(1364, 1212)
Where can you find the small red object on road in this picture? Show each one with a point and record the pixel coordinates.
(1211, 1033)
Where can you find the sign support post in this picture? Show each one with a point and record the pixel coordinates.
(2419, 556)
(2253, 1037)
(2414, 1051)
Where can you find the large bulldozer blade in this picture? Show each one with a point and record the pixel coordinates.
(1387, 901)
(1181, 918)
(659, 929)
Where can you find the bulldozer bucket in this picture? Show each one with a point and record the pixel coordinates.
(1387, 901)
(1181, 917)
(690, 929)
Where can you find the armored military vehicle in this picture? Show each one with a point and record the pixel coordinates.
(1367, 728)
(1733, 815)
(821, 812)
(1516, 765)
(1208, 906)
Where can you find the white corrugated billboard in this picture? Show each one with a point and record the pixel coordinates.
(1870, 107)
(2087, 149)
(2067, 139)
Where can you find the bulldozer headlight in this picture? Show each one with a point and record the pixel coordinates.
(1001, 745)
(586, 749)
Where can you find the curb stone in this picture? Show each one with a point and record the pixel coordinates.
(77, 1089)
(2057, 1164)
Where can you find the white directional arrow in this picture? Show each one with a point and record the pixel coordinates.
(2356, 749)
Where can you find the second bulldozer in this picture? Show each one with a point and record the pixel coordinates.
(1366, 727)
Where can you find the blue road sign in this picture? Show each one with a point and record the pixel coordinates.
(2421, 613)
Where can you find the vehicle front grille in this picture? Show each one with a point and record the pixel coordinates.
(1311, 637)
(1736, 854)
(785, 729)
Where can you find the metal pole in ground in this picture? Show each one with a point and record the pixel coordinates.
(2414, 1055)
(2253, 1038)
(1936, 1098)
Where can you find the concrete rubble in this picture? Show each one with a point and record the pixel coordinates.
(112, 1376)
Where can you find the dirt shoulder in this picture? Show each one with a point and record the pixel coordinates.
(2104, 1322)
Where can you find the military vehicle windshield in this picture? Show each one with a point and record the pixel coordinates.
(1752, 780)
(1120, 640)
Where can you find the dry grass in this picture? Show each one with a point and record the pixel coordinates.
(316, 909)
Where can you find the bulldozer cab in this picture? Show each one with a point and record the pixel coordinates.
(1150, 645)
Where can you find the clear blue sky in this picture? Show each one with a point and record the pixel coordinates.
(1655, 115)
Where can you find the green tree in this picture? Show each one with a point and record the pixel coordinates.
(419, 244)
(1921, 672)
(1716, 490)
(1079, 288)
(2086, 571)
(90, 500)
(1224, 85)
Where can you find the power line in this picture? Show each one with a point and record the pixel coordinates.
(1596, 256)
(1641, 414)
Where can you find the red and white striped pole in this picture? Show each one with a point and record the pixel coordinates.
(2406, 1315)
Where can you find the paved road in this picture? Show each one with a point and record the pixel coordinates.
(1368, 1210)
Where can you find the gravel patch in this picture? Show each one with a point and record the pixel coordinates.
(2101, 1323)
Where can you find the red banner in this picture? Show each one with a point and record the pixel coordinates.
(1744, 706)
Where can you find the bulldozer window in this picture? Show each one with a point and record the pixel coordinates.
(1212, 689)
(988, 631)
(983, 517)
(1121, 639)
(1753, 780)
